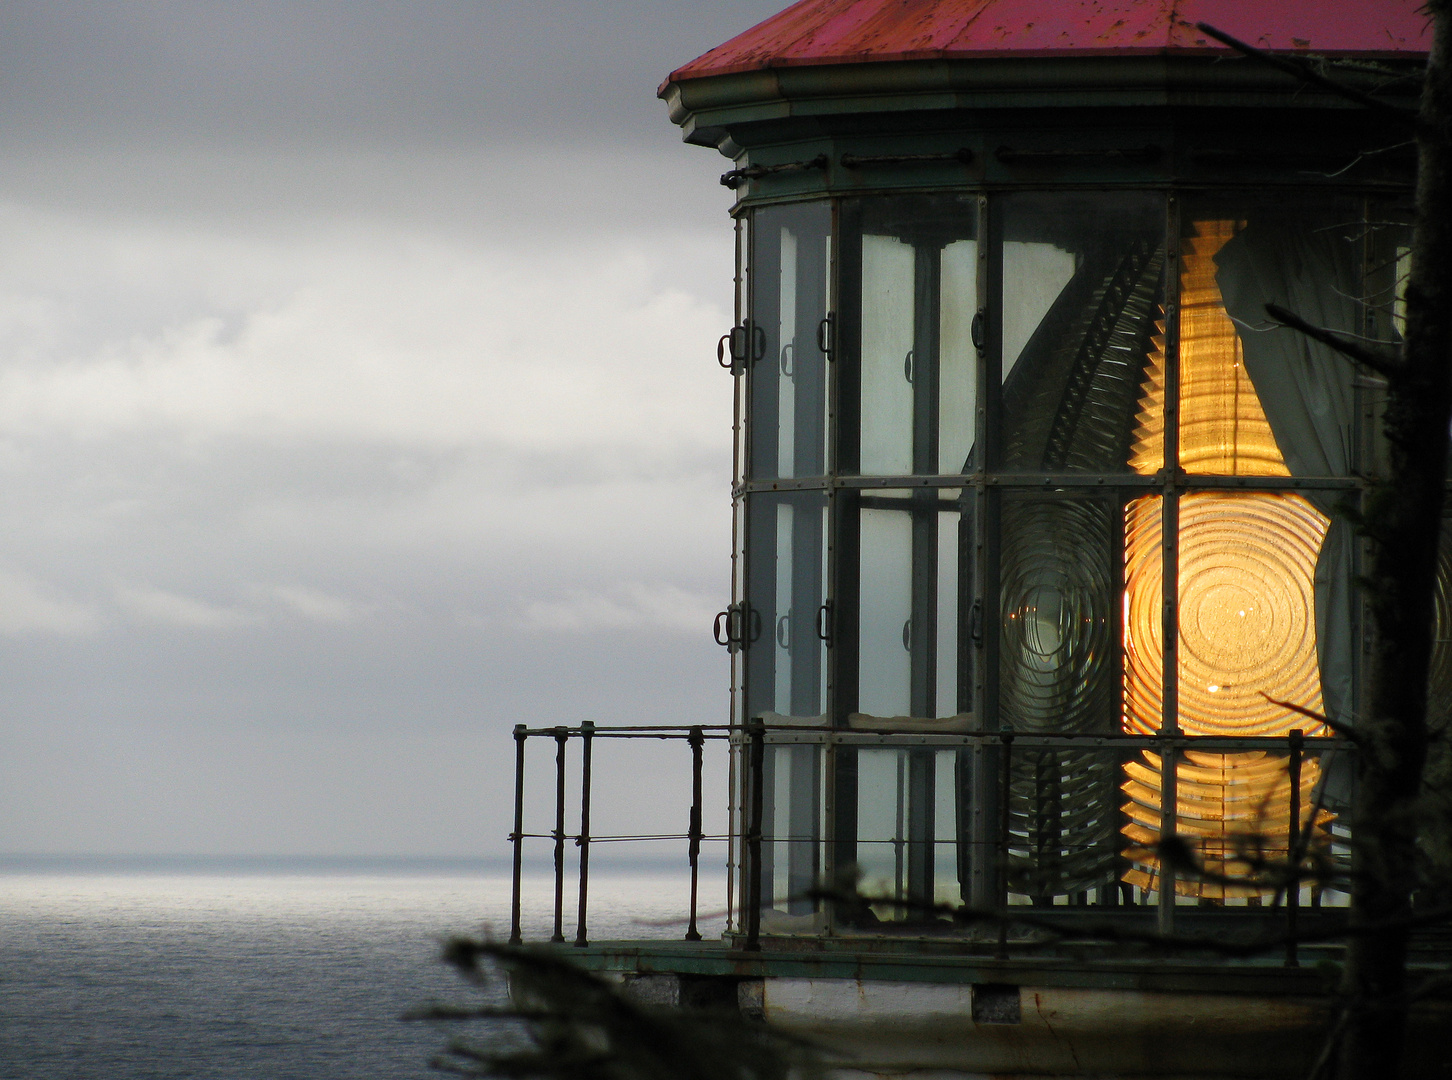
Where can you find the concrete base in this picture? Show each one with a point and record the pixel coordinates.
(933, 1031)
(885, 1029)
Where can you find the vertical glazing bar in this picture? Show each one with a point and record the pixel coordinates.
(987, 792)
(561, 736)
(587, 740)
(517, 837)
(1169, 801)
(844, 556)
(734, 830)
(738, 475)
(1170, 567)
(1004, 835)
(756, 773)
(830, 874)
(1293, 848)
(1116, 890)
(899, 829)
(988, 457)
(697, 740)
(921, 831)
(734, 809)
(830, 777)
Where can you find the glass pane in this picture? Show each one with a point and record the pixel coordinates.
(1261, 401)
(785, 656)
(880, 785)
(917, 366)
(884, 620)
(791, 841)
(1247, 639)
(908, 806)
(1143, 615)
(1059, 665)
(1082, 320)
(1247, 626)
(1233, 811)
(1063, 825)
(1223, 428)
(915, 565)
(957, 357)
(1034, 274)
(1059, 673)
(787, 375)
(1257, 400)
(1246, 613)
(887, 355)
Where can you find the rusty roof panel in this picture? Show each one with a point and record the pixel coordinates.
(862, 31)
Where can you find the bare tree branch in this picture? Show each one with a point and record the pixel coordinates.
(1382, 363)
(1307, 73)
(1341, 730)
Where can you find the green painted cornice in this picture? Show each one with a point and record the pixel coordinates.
(721, 110)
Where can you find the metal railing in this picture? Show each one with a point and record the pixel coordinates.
(696, 736)
(1293, 749)
(750, 829)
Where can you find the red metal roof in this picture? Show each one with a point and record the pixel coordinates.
(861, 31)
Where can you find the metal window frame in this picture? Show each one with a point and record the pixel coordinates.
(842, 481)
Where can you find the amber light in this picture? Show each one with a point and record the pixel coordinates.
(1246, 602)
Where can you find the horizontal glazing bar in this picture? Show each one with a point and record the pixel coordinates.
(1122, 481)
(1207, 743)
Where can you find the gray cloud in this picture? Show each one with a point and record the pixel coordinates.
(356, 402)
(350, 72)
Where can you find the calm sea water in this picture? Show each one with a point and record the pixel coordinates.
(169, 971)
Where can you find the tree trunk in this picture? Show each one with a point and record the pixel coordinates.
(1403, 523)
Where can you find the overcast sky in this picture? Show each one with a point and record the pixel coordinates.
(357, 401)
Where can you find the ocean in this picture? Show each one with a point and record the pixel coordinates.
(165, 969)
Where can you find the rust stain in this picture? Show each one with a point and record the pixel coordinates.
(1067, 1044)
(853, 31)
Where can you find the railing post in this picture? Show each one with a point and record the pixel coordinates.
(587, 740)
(756, 769)
(561, 737)
(697, 739)
(517, 837)
(1293, 848)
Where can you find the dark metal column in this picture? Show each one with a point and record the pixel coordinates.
(517, 836)
(587, 741)
(755, 775)
(561, 737)
(697, 740)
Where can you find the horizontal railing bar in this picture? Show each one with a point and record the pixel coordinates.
(594, 839)
(633, 731)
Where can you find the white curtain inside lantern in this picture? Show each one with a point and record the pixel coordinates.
(1306, 391)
